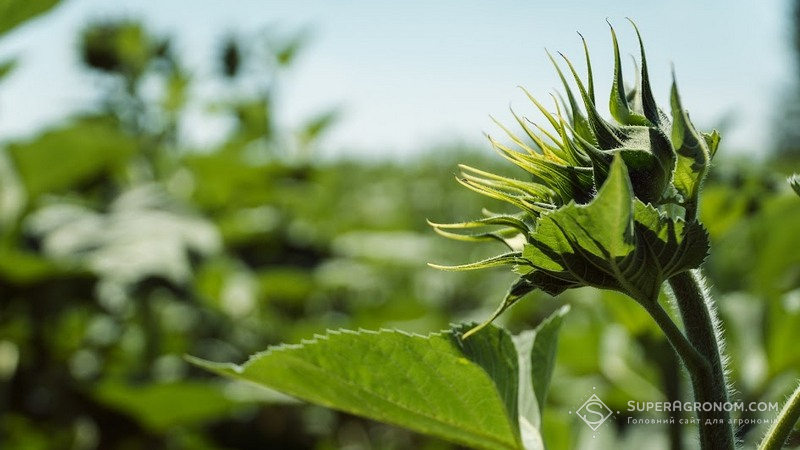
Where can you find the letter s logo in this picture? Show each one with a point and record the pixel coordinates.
(594, 412)
(589, 409)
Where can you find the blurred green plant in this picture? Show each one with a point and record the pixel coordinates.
(14, 13)
(133, 249)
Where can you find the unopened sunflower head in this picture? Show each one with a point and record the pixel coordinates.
(591, 207)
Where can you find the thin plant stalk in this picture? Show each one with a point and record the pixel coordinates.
(780, 430)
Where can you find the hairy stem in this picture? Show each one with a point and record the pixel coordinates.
(692, 359)
(710, 387)
(779, 431)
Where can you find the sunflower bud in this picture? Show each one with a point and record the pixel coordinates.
(592, 209)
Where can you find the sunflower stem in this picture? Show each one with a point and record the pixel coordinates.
(698, 313)
(780, 430)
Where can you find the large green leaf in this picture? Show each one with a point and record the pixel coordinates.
(230, 182)
(615, 242)
(15, 12)
(66, 157)
(164, 405)
(465, 391)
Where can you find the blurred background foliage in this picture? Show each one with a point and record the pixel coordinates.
(121, 250)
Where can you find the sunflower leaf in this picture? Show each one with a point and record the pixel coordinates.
(462, 390)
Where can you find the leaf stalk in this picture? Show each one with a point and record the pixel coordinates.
(780, 430)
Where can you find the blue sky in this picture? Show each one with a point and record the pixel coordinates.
(415, 74)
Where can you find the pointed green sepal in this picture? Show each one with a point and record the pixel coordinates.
(579, 122)
(693, 155)
(608, 136)
(506, 259)
(649, 107)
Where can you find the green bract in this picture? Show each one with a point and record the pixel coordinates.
(609, 204)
